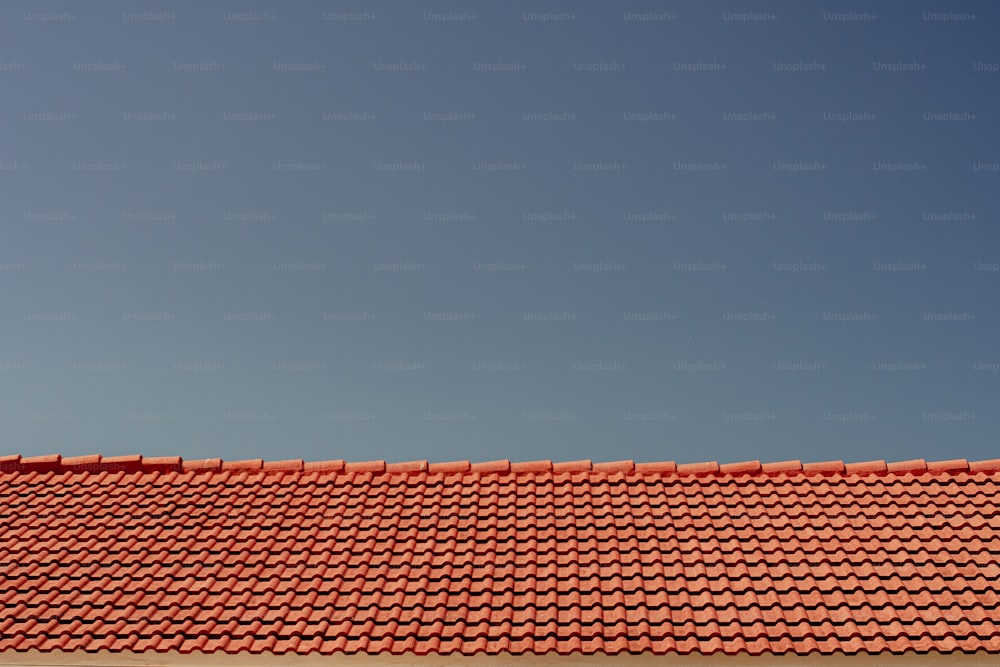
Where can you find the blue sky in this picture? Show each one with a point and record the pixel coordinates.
(440, 230)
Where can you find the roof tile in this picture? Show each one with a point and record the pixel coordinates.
(572, 466)
(48, 463)
(742, 467)
(824, 466)
(10, 463)
(160, 463)
(531, 466)
(449, 466)
(335, 465)
(656, 467)
(491, 466)
(913, 466)
(81, 463)
(206, 465)
(296, 465)
(991, 465)
(782, 466)
(407, 466)
(128, 463)
(953, 465)
(705, 468)
(325, 557)
(615, 466)
(365, 466)
(248, 464)
(865, 467)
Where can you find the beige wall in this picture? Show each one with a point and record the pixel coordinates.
(106, 659)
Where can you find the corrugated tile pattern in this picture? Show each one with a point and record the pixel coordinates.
(161, 554)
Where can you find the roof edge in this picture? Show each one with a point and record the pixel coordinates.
(95, 463)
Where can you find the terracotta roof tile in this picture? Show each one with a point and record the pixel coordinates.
(449, 466)
(81, 463)
(208, 465)
(742, 467)
(654, 467)
(365, 466)
(326, 466)
(572, 466)
(705, 468)
(824, 466)
(160, 554)
(531, 466)
(614, 466)
(502, 466)
(154, 464)
(296, 465)
(951, 466)
(248, 464)
(782, 466)
(984, 466)
(41, 463)
(865, 467)
(129, 463)
(406, 466)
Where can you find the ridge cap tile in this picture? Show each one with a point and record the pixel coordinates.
(501, 466)
(407, 466)
(42, 458)
(246, 464)
(656, 467)
(862, 467)
(949, 465)
(703, 468)
(84, 460)
(200, 465)
(158, 464)
(913, 465)
(364, 466)
(10, 463)
(583, 465)
(296, 465)
(333, 465)
(782, 466)
(45, 463)
(135, 462)
(449, 466)
(615, 466)
(740, 467)
(542, 465)
(986, 465)
(125, 458)
(824, 466)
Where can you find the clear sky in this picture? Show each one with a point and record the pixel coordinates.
(484, 230)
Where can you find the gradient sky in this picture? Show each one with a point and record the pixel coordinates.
(485, 230)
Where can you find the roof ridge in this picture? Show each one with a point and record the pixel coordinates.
(96, 463)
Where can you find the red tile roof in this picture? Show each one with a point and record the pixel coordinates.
(160, 554)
